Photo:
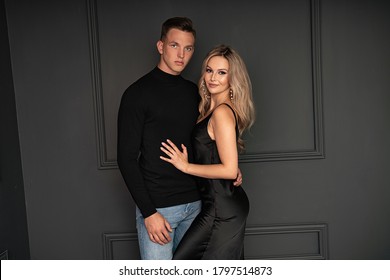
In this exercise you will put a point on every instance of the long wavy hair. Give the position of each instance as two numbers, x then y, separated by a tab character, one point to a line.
241	87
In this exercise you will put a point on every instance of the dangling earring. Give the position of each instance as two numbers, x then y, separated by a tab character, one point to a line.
204	91
231	94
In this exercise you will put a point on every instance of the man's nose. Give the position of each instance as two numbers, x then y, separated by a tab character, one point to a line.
180	53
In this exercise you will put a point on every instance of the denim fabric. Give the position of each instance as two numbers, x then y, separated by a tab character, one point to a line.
179	217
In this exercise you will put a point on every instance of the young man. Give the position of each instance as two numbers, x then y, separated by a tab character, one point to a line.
158	106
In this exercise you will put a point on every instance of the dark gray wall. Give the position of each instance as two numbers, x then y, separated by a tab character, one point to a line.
13	221
317	161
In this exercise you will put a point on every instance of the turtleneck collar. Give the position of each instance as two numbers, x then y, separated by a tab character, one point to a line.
166	77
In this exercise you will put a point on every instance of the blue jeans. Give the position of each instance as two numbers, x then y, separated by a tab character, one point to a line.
179	217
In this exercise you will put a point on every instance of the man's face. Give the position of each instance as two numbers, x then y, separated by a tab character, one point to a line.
176	51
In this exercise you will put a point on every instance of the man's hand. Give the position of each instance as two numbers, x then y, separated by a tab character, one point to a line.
158	229
238	180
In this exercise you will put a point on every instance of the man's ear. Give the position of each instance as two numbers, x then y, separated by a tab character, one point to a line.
160	45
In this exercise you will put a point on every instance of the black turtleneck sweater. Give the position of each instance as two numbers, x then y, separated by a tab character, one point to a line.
157	107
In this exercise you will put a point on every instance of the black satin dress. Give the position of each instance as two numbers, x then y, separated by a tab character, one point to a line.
218	231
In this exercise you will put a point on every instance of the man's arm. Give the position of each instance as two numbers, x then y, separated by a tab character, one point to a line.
130	130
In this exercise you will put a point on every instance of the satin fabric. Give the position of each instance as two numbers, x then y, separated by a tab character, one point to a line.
218	231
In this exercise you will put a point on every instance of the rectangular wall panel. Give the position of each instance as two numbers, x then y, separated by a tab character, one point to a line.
263	242
287	242
284	66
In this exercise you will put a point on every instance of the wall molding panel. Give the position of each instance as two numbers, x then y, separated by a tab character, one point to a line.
318	152
97	88
104	162
118	246
308	241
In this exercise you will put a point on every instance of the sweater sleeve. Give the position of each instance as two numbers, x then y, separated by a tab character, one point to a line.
131	116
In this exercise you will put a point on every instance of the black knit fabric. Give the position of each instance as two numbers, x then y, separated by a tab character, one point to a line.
157	107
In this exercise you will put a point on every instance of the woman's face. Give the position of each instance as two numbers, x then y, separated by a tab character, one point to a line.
216	76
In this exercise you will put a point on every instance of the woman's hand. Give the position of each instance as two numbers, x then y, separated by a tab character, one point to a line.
176	157
238	180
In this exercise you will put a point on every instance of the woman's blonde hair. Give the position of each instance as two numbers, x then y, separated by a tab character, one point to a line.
240	85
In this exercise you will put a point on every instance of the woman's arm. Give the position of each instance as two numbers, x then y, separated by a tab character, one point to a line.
222	129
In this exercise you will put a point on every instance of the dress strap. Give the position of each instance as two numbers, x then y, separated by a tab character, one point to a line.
234	113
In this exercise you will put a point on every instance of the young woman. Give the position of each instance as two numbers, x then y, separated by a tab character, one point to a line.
226	110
